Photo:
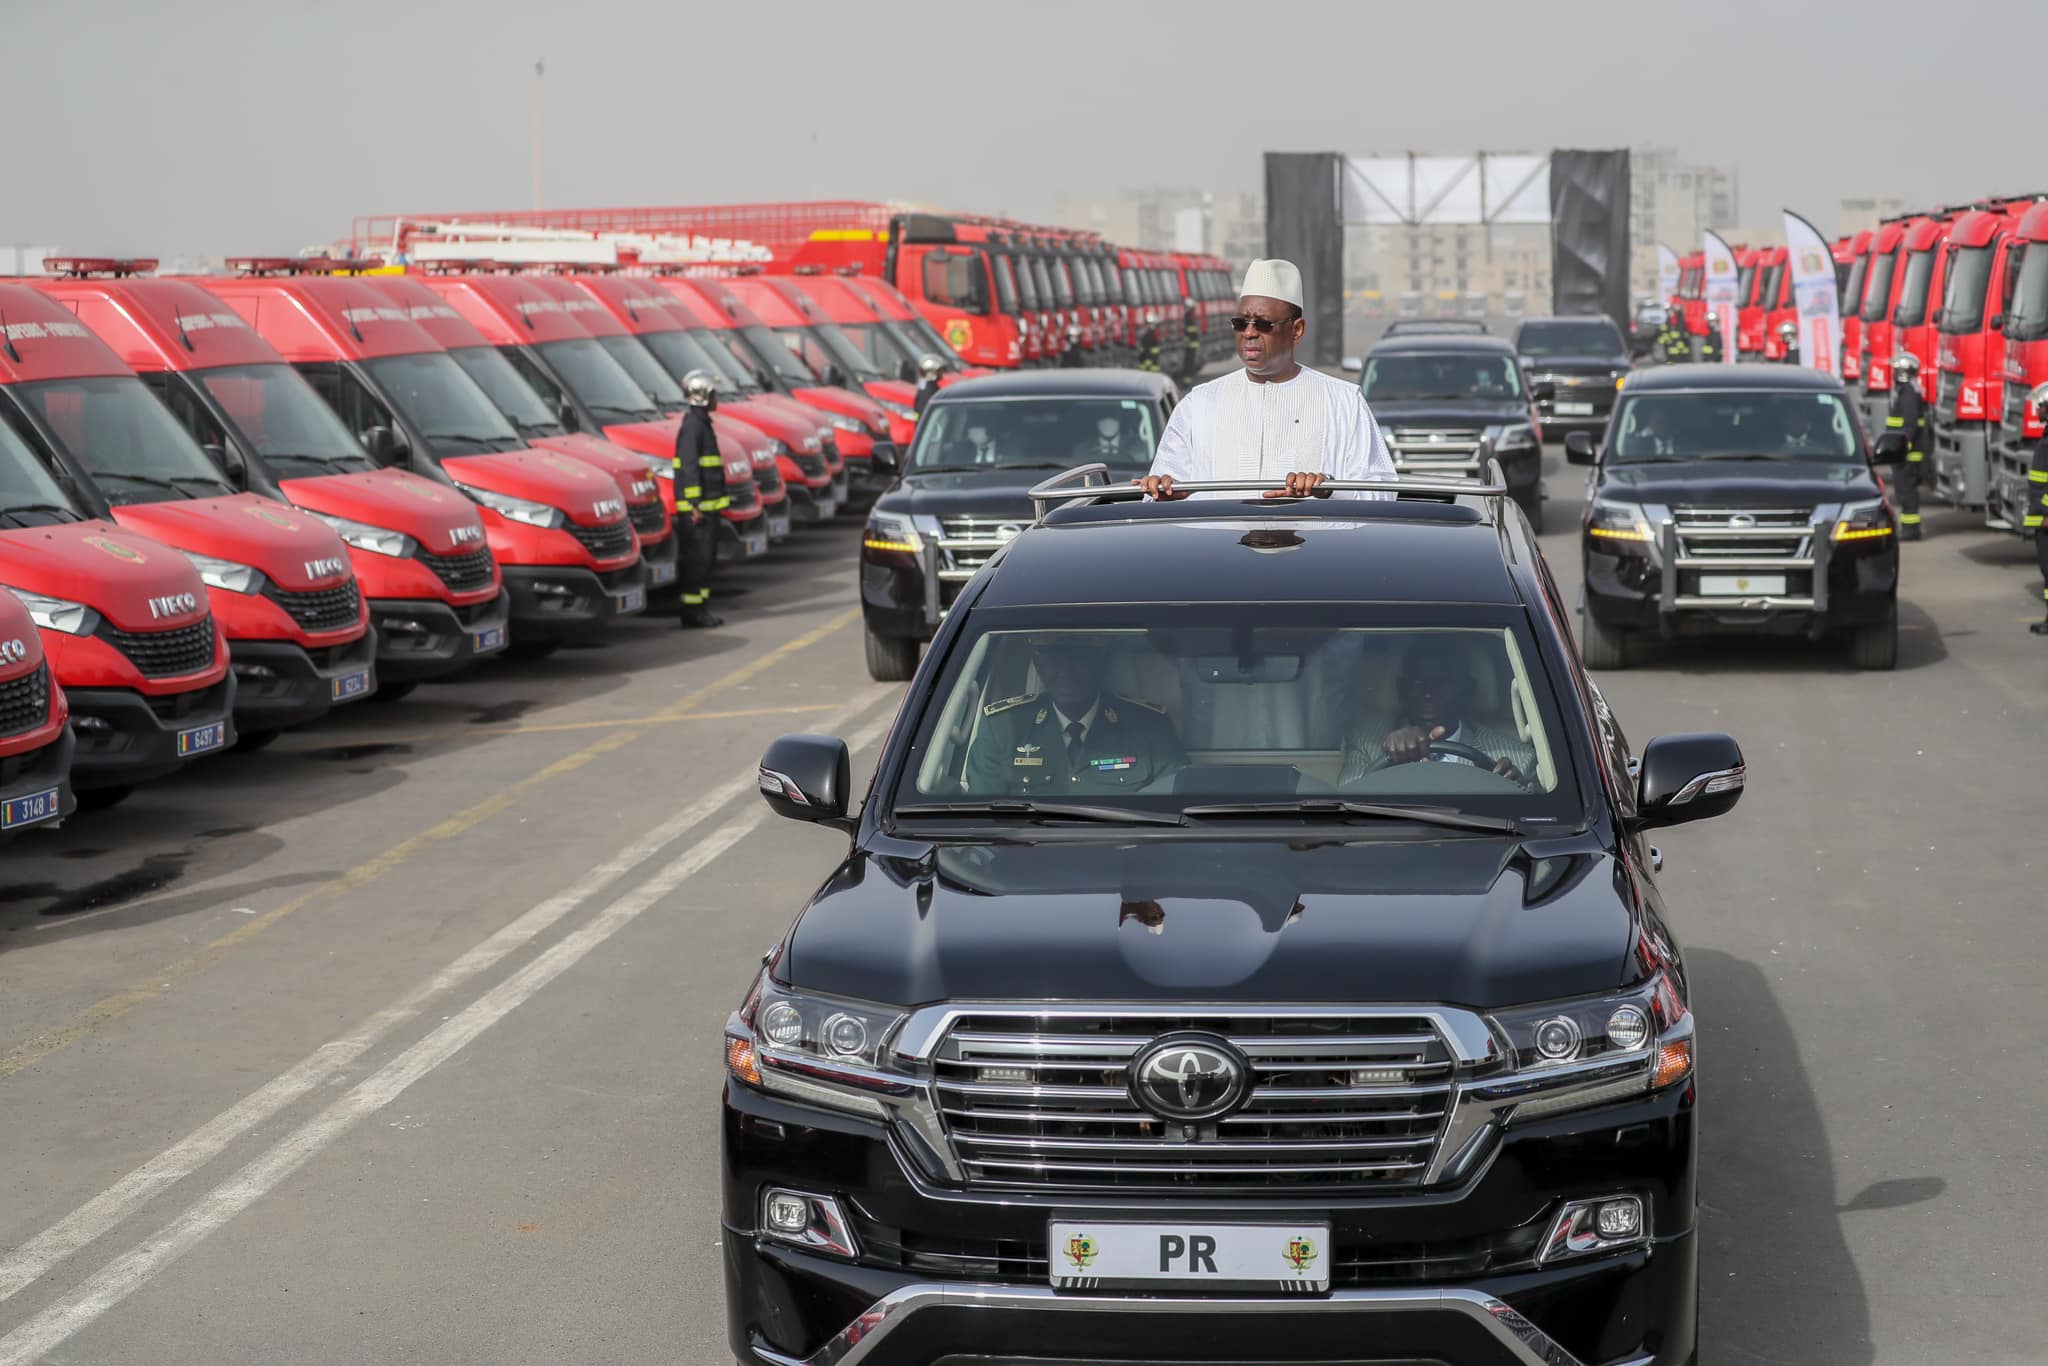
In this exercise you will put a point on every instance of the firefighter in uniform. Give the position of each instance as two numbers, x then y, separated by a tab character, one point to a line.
1074	737
1673	347
700	494
1073	358
2037	508
1788	340
1905	442
1710	345
1191	336
929	368
1149	349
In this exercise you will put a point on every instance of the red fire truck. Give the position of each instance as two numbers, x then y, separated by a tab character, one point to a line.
2012	499
1874	336
1749	301
1852	258
1970	386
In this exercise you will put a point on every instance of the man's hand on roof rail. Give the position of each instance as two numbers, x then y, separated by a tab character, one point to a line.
1300	484
1159	486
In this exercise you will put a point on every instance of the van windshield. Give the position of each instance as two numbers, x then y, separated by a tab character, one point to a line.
276	414
1913	291
515	398
1774	279
596	380
680	353
1962	304
29	494
821	344
646	371
124	437
726	351
1744	278
440	402
770	351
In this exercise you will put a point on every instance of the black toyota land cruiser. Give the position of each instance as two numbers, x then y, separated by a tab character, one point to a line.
1248	951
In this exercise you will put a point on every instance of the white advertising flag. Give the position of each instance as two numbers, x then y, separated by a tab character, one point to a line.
1721	292
1813	295
1667	275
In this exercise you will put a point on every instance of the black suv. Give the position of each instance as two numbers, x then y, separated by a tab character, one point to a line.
964	488
1448	403
1248	952
1575	365
1736	498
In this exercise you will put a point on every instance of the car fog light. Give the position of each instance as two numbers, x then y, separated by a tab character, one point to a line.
401	626
787	1213
1585	1227
254	671
1378	1076
1557	1039
552	590
90	723
1003	1076
813	1222
783	1024
1620	1218
1628	1029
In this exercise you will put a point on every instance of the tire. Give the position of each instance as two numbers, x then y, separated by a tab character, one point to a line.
100	798
1877	646
891	659
1531	504
1601	646
249	741
392	692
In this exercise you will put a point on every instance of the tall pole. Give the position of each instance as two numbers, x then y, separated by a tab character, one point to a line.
538	70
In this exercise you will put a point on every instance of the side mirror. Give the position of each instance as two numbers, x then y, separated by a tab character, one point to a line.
229	461
1544	392
836	378
1354	365
386	447
565	414
1997	323
885	461
1935	317
907	372
806	777
1688	778
1578	448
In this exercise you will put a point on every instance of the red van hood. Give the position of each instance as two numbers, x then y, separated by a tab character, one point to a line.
836	400
21	644
440	519
630	471
657	439
794	425
296	552
587	494
113	571
891	390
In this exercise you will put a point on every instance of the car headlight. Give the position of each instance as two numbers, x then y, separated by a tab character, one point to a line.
847	424
821	1050
378	540
517	509
900	409
1867	521
226	574
892	531
59	614
813	444
1620	525
779	449
1515	436
1646	1024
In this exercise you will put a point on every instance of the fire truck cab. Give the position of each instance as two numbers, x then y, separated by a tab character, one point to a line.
2014	501
1969	385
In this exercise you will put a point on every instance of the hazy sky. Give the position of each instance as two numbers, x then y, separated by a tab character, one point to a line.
223	127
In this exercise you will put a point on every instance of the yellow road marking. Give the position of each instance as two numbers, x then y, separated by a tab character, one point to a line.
113	1007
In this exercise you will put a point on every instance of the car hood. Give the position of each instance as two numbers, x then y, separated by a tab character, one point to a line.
890	390
108	568
961	493
1448	413
846	402
588	495
1738	483
1571	364
630	472
296	551
1478	922
792	428
657	439
440	519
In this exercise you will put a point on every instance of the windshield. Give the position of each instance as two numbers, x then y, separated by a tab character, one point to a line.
1027	288
125	438
822	344
29	493
1593	337
884	352
1234	703
769	351
926	339
276	414
2028	320
440	402
596	380
1744	278
515	398
646	372
1962	299
1774	279
1415	375
1006	281
1912	309
1852	291
729	354
680	353
1734	424
1048	433
1877	295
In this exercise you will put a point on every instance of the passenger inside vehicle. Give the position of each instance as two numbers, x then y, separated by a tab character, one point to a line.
1035	433
1733	424
1072	736
1437	720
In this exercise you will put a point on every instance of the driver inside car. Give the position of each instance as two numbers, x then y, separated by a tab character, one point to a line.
1073	736
1434	724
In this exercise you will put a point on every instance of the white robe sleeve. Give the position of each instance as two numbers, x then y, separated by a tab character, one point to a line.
1360	449
1176	453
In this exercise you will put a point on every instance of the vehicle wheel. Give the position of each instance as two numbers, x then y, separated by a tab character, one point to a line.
249	741
1531	504
1877	646
532	649
1601	646
391	692
891	659
100	798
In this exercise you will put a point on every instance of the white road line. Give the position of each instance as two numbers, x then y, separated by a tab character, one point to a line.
35	1258
136	1267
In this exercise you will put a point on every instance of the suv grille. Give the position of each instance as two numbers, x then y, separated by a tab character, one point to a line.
461	572
609	542
1044	1103
1706	533
1947	391
165	654
1435	449
325	609
967	542
25	701
646	518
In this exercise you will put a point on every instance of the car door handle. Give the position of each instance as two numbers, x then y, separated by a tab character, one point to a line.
1656	859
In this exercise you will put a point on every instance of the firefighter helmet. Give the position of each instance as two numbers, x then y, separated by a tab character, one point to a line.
930	366
1788	332
1905	365
698	386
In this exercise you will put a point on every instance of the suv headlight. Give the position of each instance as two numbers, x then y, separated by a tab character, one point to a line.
892	532
1584	1040
1619	526
226	574
1515	436
59	614
1863	521
518	509
378	540
821	1050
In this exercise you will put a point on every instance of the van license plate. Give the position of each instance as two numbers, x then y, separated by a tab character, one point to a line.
1283	1257
630	601
753	543
778	525
201	739
661	573
1742	585
827	509
29	808
487	640
348	687
1573	409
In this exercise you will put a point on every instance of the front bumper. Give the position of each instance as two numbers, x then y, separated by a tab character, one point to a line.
862	476
561	602
1961	461
35	787
425	638
742	540
279	683
812	507
1836	587
125	737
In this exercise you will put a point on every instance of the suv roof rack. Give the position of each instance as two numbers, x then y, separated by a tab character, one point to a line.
1424	326
1092	484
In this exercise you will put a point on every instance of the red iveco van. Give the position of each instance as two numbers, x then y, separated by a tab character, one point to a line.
35	730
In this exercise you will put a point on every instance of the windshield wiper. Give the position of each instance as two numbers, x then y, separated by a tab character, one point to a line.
1023	465
16	509
174	483
1339	806
1079	811
1753	455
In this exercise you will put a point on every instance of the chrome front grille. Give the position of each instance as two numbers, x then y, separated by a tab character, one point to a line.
965	543
1947	390
1443	449
1708	533
1348	1101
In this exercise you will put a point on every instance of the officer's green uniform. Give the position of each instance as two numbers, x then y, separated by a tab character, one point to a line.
1022	750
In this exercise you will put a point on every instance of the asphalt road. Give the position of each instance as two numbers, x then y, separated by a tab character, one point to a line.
398	1041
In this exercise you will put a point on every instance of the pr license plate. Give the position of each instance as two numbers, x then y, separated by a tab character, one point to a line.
778	525
1289	1257
29	808
348	687
1742	585
201	739
632	600
661	573
488	640
1573	409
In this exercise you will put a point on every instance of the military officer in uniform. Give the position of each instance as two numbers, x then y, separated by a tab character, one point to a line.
1073	738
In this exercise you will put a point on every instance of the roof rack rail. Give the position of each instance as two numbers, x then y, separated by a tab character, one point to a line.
1092	484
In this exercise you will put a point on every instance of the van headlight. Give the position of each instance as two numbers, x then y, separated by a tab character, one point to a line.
822	1050
378	540
517	509
59	614
226	575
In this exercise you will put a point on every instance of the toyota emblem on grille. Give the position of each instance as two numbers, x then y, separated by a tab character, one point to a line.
1190	1077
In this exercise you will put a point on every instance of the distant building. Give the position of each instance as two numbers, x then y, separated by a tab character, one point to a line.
1674	201
1854	215
1230	224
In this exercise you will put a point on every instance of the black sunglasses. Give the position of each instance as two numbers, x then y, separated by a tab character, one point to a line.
1264	326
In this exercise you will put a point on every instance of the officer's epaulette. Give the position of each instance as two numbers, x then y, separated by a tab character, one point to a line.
1141	702
1008	702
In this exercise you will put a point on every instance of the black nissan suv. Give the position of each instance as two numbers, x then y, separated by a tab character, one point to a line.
1575	364
1247	951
